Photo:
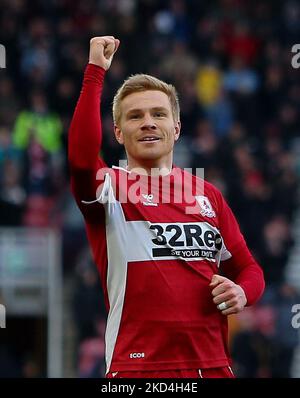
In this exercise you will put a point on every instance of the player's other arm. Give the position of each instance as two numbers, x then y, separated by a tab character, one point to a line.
85	135
243	281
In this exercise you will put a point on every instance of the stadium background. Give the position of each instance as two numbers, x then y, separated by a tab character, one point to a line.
240	98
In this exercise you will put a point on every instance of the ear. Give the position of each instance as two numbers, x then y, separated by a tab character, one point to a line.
119	135
177	130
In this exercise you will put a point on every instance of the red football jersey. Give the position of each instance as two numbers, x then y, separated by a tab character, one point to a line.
156	255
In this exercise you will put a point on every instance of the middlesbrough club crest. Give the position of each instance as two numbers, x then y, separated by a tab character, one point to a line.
206	207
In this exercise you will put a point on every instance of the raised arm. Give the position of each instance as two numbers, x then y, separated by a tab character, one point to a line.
85	135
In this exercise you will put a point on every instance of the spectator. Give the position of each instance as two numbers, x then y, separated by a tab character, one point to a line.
40	123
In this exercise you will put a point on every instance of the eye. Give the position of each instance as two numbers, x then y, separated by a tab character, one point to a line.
134	116
159	114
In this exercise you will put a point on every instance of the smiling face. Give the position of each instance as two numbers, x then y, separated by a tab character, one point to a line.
147	129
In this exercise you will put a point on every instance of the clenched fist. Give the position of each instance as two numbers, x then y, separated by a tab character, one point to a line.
229	297
102	50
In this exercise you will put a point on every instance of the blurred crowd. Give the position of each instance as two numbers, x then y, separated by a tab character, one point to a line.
230	61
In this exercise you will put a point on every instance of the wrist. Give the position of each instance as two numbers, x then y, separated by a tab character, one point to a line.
97	66
94	74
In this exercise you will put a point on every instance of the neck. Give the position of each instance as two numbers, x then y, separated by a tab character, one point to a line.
150	167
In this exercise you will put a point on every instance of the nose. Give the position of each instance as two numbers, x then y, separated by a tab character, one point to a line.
148	123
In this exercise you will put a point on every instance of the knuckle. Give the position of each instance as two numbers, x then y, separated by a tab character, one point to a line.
98	40
94	39
227	284
102	39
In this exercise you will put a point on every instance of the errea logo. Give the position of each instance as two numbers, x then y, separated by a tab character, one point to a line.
148	200
136	355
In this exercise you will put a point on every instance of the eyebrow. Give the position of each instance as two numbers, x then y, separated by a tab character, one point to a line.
156	108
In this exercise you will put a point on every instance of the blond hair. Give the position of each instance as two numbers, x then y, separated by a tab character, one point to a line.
141	82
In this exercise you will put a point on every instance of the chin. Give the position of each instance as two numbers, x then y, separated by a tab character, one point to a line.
147	152
149	155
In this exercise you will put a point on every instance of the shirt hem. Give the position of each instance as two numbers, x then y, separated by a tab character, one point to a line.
118	367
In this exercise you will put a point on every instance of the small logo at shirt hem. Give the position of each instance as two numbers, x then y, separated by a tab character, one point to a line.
136	355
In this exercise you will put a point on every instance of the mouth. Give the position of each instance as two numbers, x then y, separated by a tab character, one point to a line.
149	138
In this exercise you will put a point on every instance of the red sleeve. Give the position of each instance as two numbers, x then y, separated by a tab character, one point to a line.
85	137
241	267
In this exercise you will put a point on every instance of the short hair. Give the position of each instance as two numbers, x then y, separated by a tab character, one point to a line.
139	83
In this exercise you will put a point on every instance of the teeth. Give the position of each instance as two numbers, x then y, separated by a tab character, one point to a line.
150	139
